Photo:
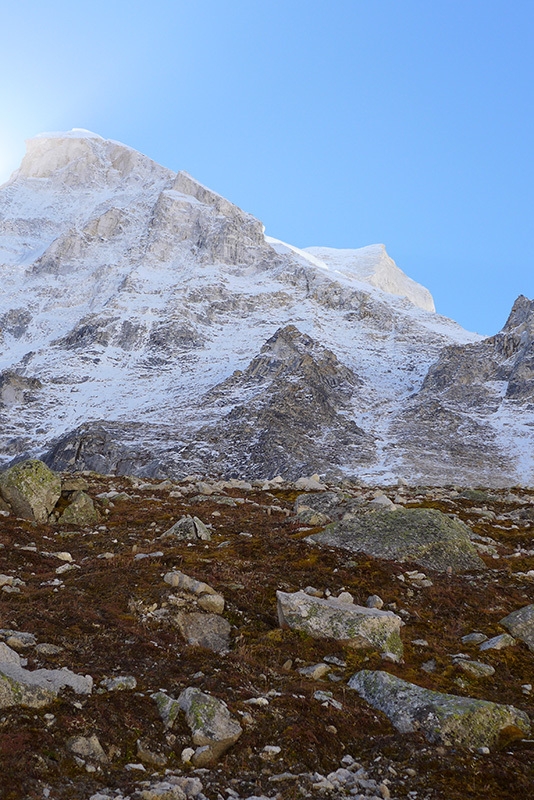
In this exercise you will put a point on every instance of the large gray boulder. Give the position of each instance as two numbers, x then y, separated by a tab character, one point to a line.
36	688
360	627
212	726
520	623
425	536
443	718
31	489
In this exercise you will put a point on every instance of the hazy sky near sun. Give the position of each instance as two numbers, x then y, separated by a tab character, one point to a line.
340	123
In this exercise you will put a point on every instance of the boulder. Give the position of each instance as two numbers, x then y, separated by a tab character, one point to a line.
188	529
425	536
37	688
80	511
442	718
212	726
31	489
358	626
204	630
520	623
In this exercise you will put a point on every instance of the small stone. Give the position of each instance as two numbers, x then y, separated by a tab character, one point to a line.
429	666
374	601
476	669
257	701
64	568
187	754
498	642
213	603
119	683
149	756
315	672
287	665
87	747
63	556
202	629
270	752
345	597
474	638
212	726
47	649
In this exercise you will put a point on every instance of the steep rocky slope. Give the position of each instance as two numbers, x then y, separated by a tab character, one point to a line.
111	627
140	311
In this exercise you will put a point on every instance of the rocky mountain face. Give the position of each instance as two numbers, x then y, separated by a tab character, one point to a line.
148	326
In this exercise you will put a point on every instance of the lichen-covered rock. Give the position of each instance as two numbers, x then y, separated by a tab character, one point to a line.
31	489
212	726
443	718
168	708
358	626
520	623
188	529
36	688
80	511
425	536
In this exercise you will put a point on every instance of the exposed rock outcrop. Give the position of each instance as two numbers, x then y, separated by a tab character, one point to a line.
34	688
358	626
443	718
423	535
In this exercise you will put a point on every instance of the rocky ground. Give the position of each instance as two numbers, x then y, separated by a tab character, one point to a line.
152	589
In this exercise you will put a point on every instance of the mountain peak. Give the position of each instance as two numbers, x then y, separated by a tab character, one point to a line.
79	157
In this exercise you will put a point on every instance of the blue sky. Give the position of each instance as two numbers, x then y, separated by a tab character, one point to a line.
341	123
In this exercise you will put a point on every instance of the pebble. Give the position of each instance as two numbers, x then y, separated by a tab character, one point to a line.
374	601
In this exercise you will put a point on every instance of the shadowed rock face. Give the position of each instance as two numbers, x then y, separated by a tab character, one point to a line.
452	424
291	413
464	374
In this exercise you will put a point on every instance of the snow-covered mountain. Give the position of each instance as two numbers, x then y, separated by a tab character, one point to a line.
148	325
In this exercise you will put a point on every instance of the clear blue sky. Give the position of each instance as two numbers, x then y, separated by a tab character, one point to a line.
341	123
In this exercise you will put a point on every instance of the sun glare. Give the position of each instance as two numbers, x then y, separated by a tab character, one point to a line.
9	160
